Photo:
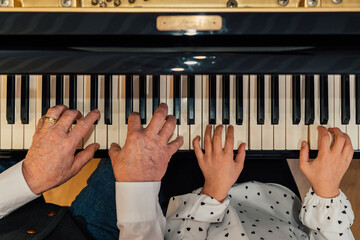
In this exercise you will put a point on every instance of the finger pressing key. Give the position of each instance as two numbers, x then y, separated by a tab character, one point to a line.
54	113
168	129
339	139
324	139
158	119
67	119
207	139
217	145
229	143
84	124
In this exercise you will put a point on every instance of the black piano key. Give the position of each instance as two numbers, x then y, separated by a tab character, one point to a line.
239	99
296	99
212	99
142	98
274	99
191	100
45	99
309	100
10	99
345	99
24	110
108	100
73	92
59	89
357	83
324	99
225	99
156	92
128	96
260	100
177	98
94	90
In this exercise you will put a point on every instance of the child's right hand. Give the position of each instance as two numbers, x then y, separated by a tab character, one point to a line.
327	170
217	164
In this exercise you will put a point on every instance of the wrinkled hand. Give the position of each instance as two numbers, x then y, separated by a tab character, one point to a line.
327	170
217	164
51	158
146	153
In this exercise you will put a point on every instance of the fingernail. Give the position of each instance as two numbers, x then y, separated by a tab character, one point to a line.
303	144
97	146
96	110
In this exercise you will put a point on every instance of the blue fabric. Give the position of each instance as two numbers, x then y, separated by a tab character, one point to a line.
96	203
5	164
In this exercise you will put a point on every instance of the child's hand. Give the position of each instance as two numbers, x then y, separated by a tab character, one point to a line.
217	164
327	170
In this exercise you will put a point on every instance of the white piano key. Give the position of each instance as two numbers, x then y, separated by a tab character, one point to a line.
101	127
66	90
279	129
313	132
114	128
196	129
6	129
205	105
149	99
18	127
267	130
254	128
136	95
295	134
163	88
29	129
219	101
90	136
52	90
241	132
184	127
337	103
80	101
352	128
122	120
170	102
331	92
38	108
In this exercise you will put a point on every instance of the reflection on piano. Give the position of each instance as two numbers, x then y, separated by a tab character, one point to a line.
274	74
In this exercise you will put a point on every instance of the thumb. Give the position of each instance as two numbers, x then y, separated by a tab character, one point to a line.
114	148
304	155
240	157
84	156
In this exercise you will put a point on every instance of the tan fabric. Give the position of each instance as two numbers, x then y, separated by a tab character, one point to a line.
66	193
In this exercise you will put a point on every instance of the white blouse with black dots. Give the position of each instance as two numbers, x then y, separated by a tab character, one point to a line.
260	211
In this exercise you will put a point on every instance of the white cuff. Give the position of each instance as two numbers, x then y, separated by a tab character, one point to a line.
137	201
14	191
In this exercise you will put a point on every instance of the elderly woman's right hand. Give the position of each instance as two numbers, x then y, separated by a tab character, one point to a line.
217	164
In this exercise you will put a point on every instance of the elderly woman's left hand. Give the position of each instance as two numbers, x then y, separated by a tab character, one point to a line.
51	159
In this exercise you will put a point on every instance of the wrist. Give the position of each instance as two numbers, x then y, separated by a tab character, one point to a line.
218	193
326	192
30	180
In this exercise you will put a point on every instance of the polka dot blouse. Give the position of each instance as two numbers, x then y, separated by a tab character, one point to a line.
255	210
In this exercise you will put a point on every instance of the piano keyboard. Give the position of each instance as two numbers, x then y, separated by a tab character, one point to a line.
268	112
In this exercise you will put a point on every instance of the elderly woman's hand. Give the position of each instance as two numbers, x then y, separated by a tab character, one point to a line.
217	164
51	159
327	170
147	151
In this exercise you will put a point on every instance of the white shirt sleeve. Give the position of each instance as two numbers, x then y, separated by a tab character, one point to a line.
139	215
329	218
14	191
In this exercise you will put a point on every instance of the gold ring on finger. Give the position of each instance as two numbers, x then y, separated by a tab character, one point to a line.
50	119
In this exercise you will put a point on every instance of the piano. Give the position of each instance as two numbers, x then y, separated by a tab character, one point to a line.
275	70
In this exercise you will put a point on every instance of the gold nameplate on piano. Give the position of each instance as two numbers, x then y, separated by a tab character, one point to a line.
183	23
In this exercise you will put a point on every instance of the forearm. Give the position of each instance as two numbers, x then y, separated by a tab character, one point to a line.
329	218
139	215
14	190
189	216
